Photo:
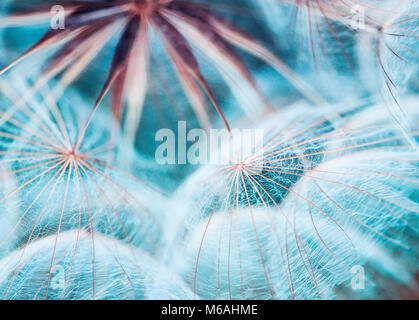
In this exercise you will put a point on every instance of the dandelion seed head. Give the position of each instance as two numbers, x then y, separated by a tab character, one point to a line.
360	47
333	190
85	270
179	25
67	177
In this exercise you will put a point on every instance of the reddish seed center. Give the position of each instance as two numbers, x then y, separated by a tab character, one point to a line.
72	155
240	166
146	7
143	6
